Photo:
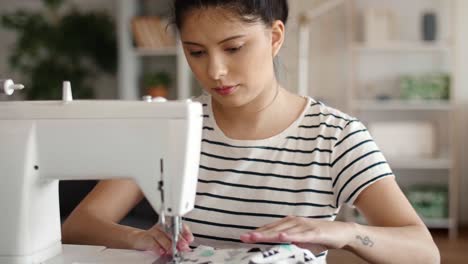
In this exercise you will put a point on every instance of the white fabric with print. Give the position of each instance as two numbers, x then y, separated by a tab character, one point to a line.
281	254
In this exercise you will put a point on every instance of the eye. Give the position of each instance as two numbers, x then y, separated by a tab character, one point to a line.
234	50
198	53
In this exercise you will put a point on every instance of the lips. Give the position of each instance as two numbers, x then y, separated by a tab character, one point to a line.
225	90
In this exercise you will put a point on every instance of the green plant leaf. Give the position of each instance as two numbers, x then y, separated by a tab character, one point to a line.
53	4
50	48
157	78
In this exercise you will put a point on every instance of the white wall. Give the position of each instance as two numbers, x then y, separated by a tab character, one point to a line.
105	86
461	97
327	53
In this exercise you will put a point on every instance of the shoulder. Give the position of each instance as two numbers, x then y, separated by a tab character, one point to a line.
327	112
331	117
205	100
202	98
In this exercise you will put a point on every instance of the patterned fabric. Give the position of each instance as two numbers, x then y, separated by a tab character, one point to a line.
282	254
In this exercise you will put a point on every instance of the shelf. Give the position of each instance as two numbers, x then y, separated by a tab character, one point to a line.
421	163
166	51
378	65
402	47
402	105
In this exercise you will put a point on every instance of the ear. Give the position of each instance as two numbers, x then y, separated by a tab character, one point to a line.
277	36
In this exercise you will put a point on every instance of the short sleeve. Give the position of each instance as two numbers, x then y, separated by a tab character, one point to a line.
356	163
199	98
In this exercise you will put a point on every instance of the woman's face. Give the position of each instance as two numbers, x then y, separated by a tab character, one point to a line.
232	59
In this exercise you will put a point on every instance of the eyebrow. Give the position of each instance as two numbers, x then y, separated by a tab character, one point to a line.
222	41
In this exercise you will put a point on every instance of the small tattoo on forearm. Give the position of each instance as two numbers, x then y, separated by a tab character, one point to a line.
365	241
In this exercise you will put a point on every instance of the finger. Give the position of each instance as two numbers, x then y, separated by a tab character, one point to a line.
278	228
159	249
162	238
272	235
187	233
255	237
268	230
277	236
147	242
275	224
182	244
294	230
183	247
165	240
185	239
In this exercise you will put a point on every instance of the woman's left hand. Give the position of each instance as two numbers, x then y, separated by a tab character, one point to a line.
312	234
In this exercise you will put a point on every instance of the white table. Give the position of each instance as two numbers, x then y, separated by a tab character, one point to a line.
79	254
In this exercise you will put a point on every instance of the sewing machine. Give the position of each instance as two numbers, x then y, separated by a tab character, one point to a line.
157	144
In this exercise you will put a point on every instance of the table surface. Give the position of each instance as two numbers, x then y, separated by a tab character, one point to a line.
81	254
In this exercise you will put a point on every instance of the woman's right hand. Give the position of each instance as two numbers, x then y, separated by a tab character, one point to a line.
157	240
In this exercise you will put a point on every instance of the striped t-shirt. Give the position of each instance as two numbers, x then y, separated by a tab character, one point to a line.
321	161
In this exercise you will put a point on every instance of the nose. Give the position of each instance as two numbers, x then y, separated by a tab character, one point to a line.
217	68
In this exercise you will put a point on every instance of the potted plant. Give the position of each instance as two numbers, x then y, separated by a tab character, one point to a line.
57	44
157	84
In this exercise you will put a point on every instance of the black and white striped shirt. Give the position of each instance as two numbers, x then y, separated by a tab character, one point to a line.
321	161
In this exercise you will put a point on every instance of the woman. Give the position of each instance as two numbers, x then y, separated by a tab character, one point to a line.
275	167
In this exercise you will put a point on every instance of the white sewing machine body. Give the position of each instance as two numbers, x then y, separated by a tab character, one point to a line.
42	142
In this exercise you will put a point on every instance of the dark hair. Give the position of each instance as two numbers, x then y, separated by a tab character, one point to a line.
266	11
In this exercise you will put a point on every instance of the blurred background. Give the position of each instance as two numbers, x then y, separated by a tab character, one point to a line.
399	66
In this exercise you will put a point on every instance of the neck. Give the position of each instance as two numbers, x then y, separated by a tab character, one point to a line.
254	111
263	119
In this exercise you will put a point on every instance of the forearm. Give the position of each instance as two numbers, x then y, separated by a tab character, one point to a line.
410	244
90	230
